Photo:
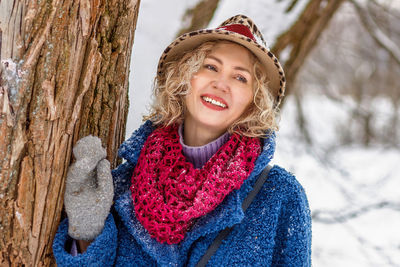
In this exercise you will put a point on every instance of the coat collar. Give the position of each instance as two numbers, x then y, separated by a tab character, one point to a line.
227	214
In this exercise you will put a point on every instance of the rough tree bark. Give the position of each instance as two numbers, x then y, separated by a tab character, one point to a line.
63	75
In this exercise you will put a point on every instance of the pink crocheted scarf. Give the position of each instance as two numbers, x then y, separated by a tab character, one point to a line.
169	193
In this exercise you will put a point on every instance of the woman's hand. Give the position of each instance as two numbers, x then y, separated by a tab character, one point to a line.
89	190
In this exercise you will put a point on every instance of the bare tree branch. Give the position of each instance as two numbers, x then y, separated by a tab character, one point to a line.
199	16
385	8
330	217
376	33
301	119
303	35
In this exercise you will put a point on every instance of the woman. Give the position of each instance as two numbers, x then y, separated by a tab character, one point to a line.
189	168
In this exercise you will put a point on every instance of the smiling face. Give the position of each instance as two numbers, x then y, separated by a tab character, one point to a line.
221	90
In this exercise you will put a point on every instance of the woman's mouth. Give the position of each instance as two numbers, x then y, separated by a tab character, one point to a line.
214	102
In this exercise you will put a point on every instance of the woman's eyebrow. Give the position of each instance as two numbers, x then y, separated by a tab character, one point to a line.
236	67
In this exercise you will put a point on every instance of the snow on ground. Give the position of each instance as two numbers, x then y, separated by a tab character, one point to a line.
338	181
343	182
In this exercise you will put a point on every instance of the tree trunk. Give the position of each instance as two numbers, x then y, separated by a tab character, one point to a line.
199	16
303	35
64	75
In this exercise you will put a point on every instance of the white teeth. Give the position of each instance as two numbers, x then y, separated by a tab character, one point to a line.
214	102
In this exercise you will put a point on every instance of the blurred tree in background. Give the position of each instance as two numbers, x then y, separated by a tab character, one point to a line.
357	63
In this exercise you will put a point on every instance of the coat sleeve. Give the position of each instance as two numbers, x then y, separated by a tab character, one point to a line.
293	237
101	251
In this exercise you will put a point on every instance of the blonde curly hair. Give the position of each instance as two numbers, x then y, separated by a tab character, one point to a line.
168	106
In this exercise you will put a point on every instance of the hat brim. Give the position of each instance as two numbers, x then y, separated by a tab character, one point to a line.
190	41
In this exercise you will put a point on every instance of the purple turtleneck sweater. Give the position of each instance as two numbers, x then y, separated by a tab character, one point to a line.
199	155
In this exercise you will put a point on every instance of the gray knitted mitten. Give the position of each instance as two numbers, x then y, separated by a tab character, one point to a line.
89	190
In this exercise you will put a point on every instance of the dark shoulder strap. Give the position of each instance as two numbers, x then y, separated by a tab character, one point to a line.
224	233
256	188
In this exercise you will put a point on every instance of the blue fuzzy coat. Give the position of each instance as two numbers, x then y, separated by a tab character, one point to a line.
274	231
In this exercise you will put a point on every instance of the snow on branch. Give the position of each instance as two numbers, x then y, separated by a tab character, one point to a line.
330	217
386	9
376	33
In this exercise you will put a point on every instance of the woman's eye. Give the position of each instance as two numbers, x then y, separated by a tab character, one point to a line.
210	67
242	79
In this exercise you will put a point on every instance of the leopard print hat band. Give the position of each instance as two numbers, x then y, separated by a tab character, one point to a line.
239	29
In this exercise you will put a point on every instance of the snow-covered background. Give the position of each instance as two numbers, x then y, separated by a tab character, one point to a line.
353	191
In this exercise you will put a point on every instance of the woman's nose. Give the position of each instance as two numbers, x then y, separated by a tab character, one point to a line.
221	83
